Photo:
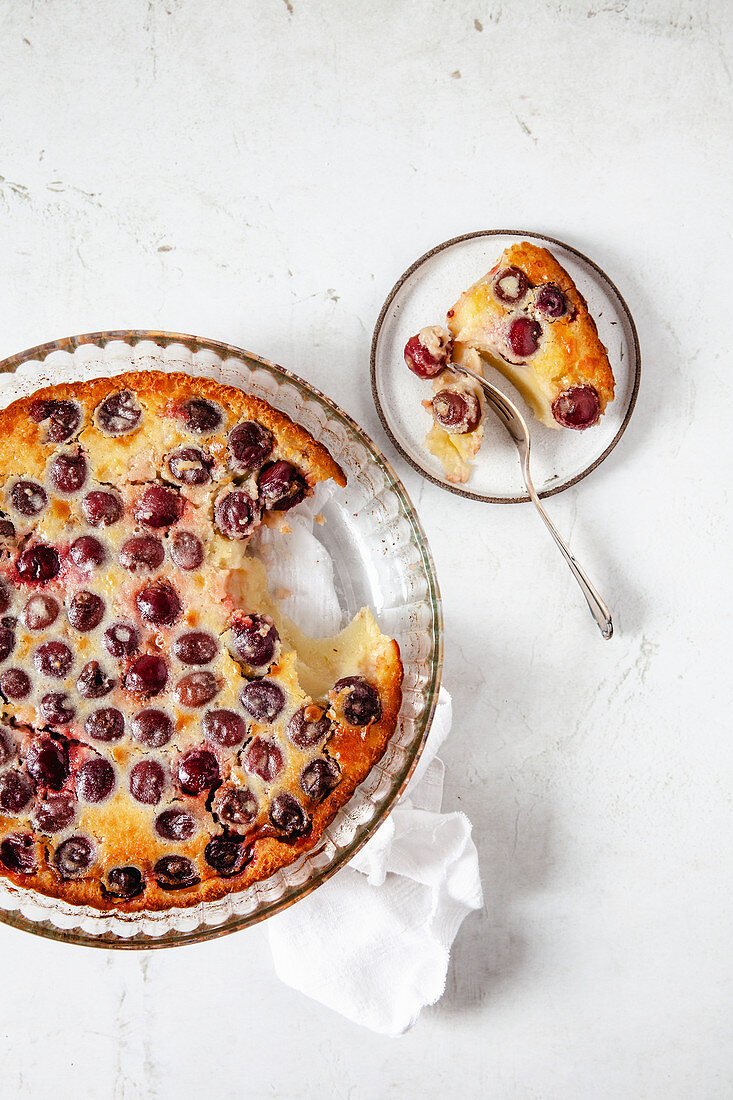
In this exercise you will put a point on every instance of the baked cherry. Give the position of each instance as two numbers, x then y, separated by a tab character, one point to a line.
523	336
288	816
74	856
47	763
18	853
190	466
57	709
87	552
250	446
141	553
5	597
119	413
157	507
262	757
7	528
147	675
101	508
106	724
15	684
68	473
309	726
95	780
551	301
152	727
228	855
197	689
158	603
457	413
175	825
319	777
201	416
236	514
255	640
147	780
38	563
510	285
429	352
7	745
124	882
93	682
198	770
53	659
54	813
121	639
16	791
86	611
7	642
40	612
63	417
224	727
187	550
235	806
356	701
579	407
198	647
28	498
263	699
175	873
281	486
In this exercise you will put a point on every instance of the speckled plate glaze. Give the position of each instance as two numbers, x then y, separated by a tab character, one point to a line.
381	559
422	296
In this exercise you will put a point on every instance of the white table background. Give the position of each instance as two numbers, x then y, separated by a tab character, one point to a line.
260	172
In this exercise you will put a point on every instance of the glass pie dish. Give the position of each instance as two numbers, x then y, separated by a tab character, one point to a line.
380	559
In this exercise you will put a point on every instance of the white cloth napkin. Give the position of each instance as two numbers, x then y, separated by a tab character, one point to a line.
374	941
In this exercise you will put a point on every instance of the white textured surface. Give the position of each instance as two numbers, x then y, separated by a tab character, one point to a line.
260	172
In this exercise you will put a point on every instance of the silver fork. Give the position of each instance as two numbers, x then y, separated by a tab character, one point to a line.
516	425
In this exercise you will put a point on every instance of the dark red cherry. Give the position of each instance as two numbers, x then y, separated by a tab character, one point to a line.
262	757
551	301
101	509
175	825
158	603
124	882
456	413
105	724
288	816
255	639
197	689
63	417
53	659
356	701
510	285
87	552
201	416
28	498
119	413
319	777
198	647
235	806
198	770
5	598
7	745
7	642
121	639
281	486
47	763
147	780
190	466
16	791
524	336
152	727
158	507
250	446
40	611
57	709
263	699
579	407
15	684
68	473
55	813
175	873
187	550
86	611
236	514
309	726
429	352
224	727
18	853
141	553
228	855
38	563
147	675
93	682
95	780
74	856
